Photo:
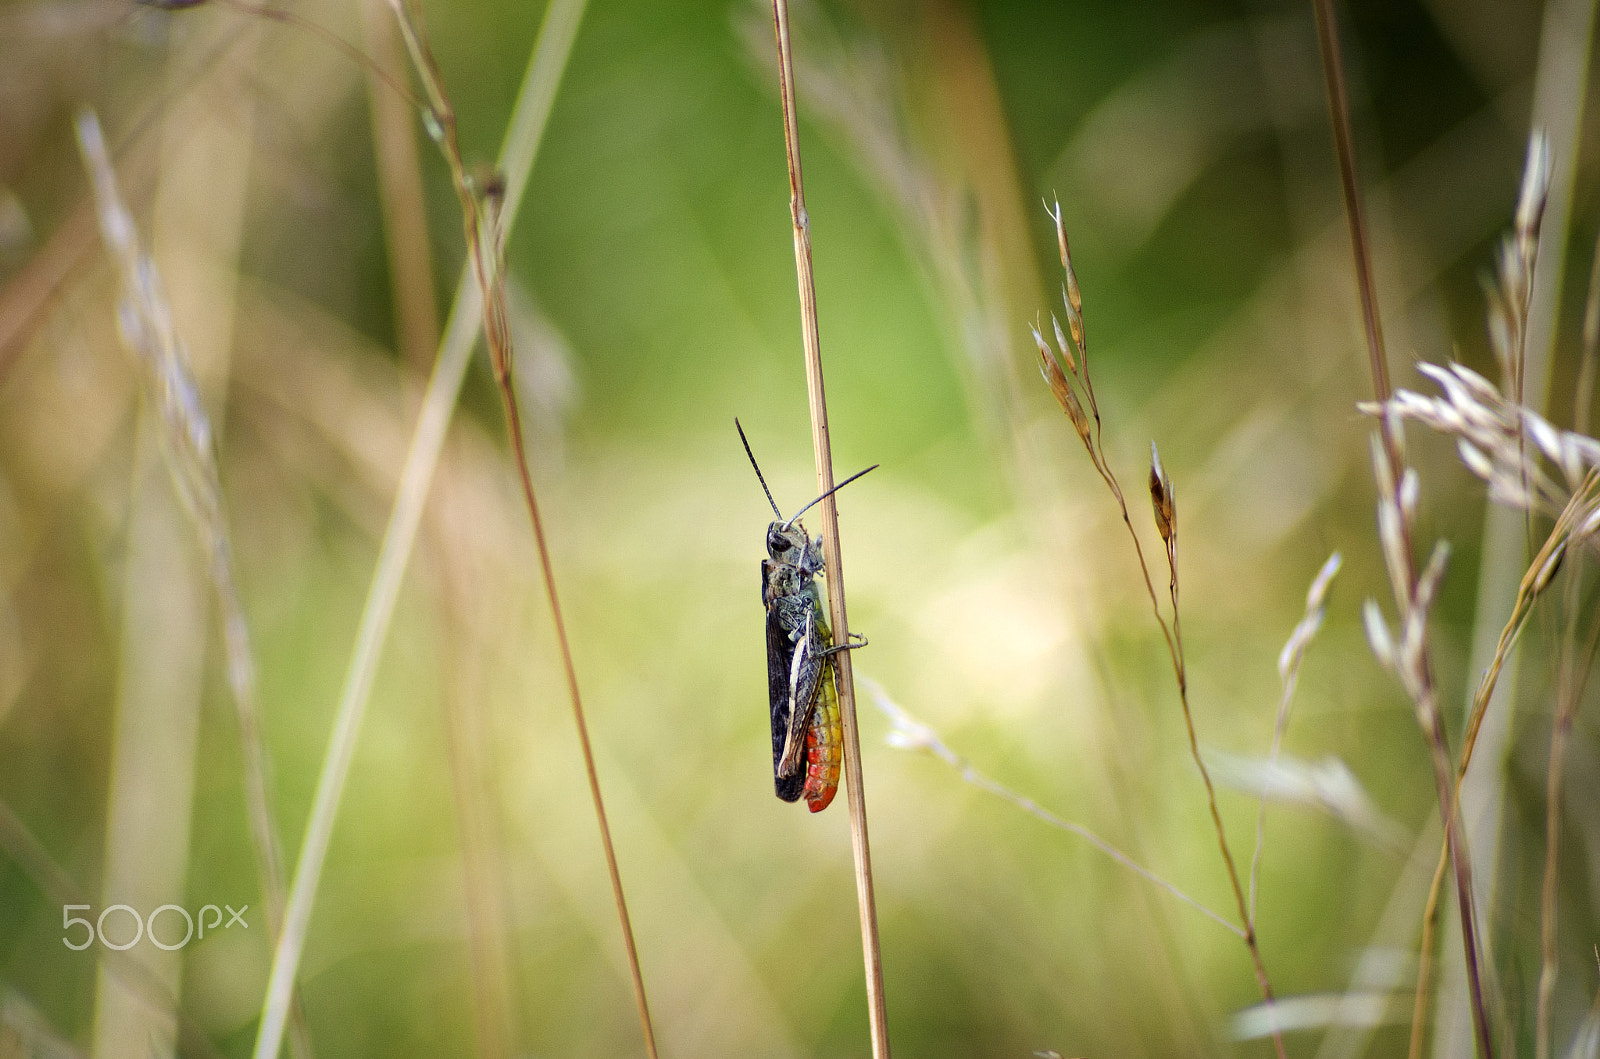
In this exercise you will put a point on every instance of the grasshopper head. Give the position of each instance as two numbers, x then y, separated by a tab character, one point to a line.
788	545
786	542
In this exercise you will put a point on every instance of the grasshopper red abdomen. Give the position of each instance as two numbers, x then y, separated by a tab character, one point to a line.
824	740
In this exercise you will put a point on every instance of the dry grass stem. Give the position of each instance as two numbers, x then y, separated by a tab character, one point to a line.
1559	474
480	210
872	955
1396	511
529	117
908	733
1344	148
1559	91
400	193
1066	386
474	779
852	88
1405	653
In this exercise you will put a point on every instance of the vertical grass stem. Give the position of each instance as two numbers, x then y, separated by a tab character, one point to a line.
877	1010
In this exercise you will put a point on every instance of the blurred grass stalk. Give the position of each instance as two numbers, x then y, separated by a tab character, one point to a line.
1509	299
908	733
1509	302
474	781
149	800
1560	82
872	954
18	843
1501	441
1408	653
198	231
199	224
480	203
1572	677
523	135
400	192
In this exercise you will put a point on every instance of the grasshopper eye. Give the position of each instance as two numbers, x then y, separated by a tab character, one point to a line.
776	542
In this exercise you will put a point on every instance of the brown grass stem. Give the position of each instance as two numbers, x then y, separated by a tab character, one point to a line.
1413	597
529	117
1181	670
1456	847
1493	436
1430	914
480	209
514	427
1075	354
400	194
1405	576
1344	148
877	1008
1430	927
474	780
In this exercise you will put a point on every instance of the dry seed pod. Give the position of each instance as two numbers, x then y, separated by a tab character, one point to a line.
1061	342
1162	501
1074	296
1378	634
1550	567
1535	190
1075	322
1050	368
1061	243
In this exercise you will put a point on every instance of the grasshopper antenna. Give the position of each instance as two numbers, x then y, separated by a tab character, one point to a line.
757	466
824	496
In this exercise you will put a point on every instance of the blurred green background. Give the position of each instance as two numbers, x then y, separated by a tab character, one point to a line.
653	299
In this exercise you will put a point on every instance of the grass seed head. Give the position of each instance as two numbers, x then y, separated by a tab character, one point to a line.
1050	368
1550	567
1535	192
1378	634
1061	343
1075	324
1162	500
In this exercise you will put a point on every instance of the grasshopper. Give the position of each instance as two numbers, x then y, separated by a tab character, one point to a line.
802	691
